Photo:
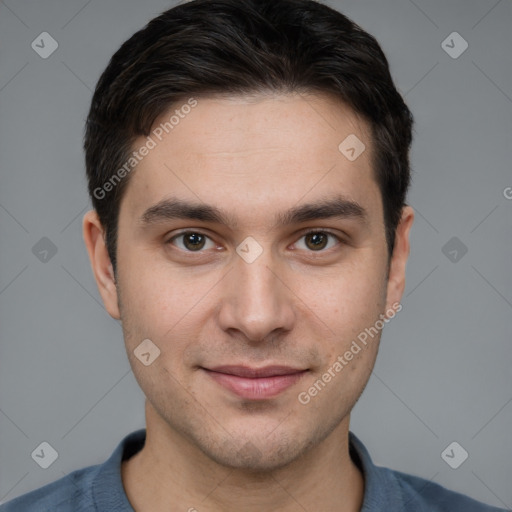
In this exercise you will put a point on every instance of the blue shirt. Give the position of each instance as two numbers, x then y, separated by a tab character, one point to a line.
100	488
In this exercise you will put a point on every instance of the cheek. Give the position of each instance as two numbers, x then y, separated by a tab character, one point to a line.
166	305
350	294
153	293
348	305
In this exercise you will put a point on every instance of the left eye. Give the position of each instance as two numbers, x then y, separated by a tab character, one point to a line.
318	240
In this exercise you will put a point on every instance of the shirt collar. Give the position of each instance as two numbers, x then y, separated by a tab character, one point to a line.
107	488
382	491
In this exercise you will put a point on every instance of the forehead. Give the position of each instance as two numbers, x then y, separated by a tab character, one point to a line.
255	155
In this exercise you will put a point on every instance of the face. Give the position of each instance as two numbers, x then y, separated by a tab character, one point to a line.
252	253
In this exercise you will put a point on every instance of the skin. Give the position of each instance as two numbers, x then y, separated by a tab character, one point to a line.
207	448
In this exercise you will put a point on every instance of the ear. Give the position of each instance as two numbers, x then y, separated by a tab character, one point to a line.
396	279
94	238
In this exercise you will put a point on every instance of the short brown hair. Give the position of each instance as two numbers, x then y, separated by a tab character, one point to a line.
208	47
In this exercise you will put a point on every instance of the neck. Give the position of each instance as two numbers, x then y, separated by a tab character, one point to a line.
171	474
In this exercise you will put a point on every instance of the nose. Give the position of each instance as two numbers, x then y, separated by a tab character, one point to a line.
256	299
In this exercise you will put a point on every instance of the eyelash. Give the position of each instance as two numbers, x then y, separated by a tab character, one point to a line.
312	231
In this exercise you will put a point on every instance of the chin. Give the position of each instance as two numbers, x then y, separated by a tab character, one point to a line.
256	458
255	450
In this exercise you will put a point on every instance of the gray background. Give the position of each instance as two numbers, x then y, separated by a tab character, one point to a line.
444	371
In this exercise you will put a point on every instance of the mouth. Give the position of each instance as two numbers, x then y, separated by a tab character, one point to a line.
255	383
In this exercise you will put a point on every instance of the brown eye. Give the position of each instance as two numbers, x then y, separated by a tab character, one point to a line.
192	241
318	240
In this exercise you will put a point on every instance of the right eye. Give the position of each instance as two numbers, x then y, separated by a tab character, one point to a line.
193	241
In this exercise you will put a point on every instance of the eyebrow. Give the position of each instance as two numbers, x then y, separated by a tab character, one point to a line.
174	208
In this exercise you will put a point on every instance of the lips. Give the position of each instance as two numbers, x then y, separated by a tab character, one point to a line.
246	371
255	383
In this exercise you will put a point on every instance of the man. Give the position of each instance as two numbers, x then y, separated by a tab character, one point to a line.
248	164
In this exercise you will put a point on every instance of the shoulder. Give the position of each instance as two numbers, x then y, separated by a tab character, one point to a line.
389	489
421	494
70	493
98	487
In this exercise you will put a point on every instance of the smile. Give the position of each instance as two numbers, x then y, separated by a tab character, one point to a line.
255	384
